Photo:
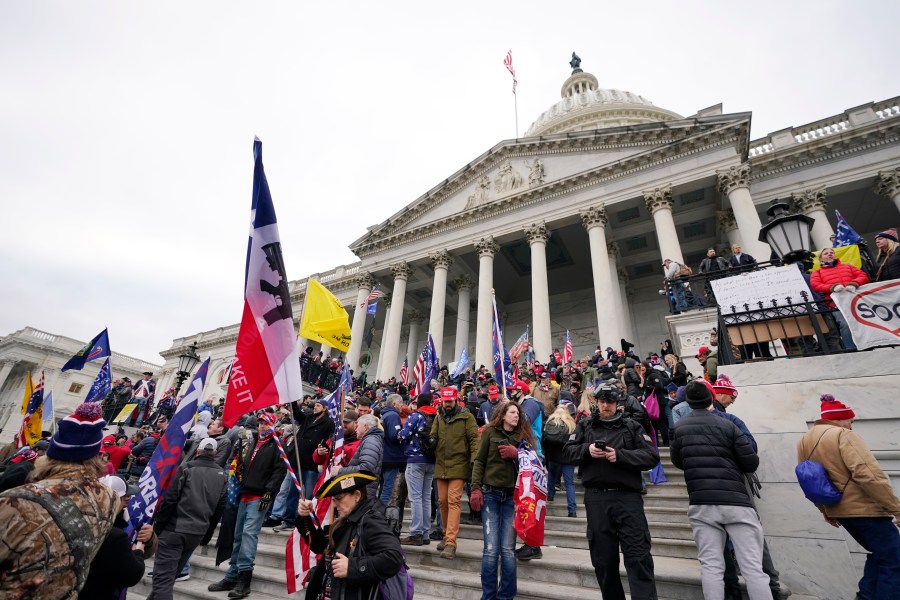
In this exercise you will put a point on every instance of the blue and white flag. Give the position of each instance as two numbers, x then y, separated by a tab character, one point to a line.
426	368
94	349
102	384
462	363
844	235
502	371
48	410
158	473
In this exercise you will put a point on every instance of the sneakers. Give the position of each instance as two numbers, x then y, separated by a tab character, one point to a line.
285	526
436	535
426	540
270	522
184	577
529	553
449	552
549	498
411	540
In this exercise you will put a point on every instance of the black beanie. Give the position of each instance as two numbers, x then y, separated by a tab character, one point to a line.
697	395
423	400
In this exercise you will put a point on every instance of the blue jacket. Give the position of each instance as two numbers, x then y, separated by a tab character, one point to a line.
486	411
393	447
534	410
412	434
740	425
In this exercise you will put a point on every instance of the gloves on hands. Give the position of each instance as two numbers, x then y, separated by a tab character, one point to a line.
476	499
508	451
837	288
265	501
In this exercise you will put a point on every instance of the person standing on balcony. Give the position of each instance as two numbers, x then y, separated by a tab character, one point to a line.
888	259
740	261
713	267
835	276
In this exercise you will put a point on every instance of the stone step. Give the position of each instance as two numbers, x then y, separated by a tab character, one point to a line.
673	489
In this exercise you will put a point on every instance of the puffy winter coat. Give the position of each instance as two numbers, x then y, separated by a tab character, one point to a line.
393	447
851	467
457	444
313	431
368	457
888	268
822	279
714	455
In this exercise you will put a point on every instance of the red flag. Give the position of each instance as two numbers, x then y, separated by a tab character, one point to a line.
507	62
567	351
530	497
266	367
404	371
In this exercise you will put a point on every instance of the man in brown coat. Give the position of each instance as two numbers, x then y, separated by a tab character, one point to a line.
868	503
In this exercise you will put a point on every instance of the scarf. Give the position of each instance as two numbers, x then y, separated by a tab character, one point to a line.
262	440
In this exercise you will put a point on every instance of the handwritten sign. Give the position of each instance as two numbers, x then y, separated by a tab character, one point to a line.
759	286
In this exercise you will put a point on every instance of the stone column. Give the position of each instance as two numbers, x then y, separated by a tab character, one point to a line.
888	185
463	285
594	220
412	345
537	235
6	368
618	310
734	183
812	203
391	347
486	248
441	262
388	300
325	349
358	326
659	204
729	227
625	299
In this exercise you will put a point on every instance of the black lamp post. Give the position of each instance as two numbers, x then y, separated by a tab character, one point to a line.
786	233
187	360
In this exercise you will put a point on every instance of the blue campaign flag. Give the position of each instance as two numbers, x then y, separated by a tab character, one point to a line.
372	308
157	475
94	349
844	235
102	384
501	356
462	363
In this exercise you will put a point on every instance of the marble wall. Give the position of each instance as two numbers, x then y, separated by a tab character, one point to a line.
778	401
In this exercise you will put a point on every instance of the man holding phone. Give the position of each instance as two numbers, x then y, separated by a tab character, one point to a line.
612	450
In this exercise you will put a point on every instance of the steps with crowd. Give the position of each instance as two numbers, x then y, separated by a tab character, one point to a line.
564	572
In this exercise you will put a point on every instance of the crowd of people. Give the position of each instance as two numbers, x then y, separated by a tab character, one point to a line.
599	419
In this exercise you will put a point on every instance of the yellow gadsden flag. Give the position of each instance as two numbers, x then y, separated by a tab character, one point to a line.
324	318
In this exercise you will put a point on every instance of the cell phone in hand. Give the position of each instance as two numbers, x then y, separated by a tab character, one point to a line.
600	446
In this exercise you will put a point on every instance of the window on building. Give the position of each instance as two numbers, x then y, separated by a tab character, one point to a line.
75	388
636	243
645	269
628	214
692	230
692	197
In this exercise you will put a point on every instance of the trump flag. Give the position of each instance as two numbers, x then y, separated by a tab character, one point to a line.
266	367
530	497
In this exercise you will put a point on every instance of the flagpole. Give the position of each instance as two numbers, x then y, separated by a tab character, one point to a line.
516	107
499	342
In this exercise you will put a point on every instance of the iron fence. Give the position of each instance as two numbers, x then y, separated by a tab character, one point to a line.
695	292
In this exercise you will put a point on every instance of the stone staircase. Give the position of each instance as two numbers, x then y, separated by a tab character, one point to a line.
564	572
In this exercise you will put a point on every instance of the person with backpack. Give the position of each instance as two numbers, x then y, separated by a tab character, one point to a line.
494	475
416	435
359	550
560	428
867	506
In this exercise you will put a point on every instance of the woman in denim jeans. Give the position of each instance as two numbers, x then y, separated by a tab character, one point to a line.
494	476
561	417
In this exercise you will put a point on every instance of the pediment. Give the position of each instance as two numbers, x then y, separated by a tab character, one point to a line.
523	168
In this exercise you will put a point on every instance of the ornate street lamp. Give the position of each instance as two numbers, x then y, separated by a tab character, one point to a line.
786	233
187	360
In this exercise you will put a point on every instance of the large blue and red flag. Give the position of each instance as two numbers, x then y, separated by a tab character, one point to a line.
426	368
299	558
266	367
102	384
502	371
94	349
158	473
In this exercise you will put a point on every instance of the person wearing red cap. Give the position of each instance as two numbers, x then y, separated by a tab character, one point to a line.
868	501
456	443
486	410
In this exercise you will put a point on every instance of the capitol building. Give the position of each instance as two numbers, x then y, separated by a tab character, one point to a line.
569	225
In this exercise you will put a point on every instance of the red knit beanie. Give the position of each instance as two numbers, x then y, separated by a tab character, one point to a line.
835	410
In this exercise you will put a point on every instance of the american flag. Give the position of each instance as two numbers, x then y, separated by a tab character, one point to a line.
404	371
426	368
567	351
375	294
519	347
507	62
299	559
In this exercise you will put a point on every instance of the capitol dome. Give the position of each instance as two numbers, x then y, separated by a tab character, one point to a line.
584	106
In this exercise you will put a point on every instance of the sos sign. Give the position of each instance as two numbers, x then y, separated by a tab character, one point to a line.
877	306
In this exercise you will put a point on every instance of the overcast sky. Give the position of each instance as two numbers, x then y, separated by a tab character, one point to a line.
126	129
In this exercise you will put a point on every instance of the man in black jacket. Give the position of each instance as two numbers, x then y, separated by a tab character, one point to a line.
262	469
612	450
714	455
739	260
183	516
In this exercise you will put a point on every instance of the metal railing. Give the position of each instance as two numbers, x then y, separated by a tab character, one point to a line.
793	328
695	292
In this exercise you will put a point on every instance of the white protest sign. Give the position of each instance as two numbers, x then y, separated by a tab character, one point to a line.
760	286
872	312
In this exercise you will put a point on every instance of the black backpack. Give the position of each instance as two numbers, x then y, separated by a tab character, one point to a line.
555	433
426	442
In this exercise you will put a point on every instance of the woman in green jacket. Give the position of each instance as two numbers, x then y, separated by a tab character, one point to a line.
493	481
